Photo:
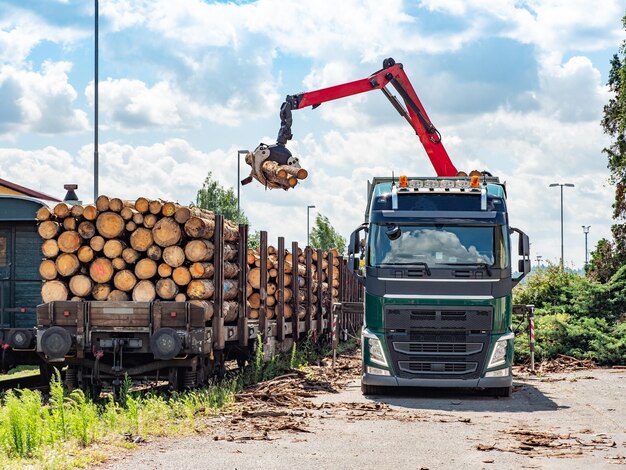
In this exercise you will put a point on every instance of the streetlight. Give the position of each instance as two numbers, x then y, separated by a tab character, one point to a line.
586	232
569	185
308	209
239	154
539	260
96	162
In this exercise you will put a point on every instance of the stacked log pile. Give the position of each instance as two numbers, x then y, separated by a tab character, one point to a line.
143	250
294	266
147	250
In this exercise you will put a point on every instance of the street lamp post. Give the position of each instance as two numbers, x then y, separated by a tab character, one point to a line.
569	185
96	158
239	154
586	232
308	209
539	259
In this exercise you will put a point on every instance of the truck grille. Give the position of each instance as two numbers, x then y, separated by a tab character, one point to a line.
437	367
416	348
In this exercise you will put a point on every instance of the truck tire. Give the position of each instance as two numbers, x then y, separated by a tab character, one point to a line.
501	392
372	389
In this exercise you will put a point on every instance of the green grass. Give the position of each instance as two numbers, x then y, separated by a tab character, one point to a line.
69	430
20	372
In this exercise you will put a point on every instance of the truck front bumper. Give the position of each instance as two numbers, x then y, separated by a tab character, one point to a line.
390	381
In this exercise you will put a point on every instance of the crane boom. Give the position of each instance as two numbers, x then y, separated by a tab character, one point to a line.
413	111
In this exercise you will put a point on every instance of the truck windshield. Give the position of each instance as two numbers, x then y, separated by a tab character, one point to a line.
435	244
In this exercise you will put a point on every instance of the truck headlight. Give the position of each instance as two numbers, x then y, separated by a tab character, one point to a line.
498	355
375	349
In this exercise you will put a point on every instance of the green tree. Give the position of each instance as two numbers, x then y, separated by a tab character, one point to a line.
222	201
609	256
325	237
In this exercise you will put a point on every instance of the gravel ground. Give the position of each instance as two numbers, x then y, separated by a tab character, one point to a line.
558	421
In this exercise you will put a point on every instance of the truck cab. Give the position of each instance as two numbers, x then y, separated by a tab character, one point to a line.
435	258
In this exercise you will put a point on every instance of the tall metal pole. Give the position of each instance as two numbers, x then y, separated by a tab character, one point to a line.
95	124
586	232
569	185
308	208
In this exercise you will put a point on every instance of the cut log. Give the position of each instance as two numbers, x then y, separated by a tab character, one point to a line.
255	300
249	290
69	242
203	289
270	313
118	264
254	278
130	255
199	250
166	232
144	291
271	288
81	285
124	280
251	257
199	227
142	205
182	214
43	213
201	270
127	213
141	239
270	300
299	173
69	223
287	311
86	229
288	294
138	218
85	254
118	296
110	224
166	288
230	311
96	243
67	264
113	248
54	290
90	213
230	252
154	252
149	220
101	270
174	256
116	205
77	210
101	291
48	269
155	207
253	314
164	270
130	226
48	229
145	268
61	210
169	209
50	248
180	297
181	276
102	203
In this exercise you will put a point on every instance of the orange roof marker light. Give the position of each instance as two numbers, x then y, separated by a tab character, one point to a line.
404	181
475	181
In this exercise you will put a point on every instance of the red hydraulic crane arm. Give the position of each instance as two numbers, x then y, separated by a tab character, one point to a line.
413	111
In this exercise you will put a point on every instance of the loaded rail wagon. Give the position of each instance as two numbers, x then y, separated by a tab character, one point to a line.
186	343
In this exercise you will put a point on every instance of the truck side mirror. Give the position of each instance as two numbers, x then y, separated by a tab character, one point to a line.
355	252
523	248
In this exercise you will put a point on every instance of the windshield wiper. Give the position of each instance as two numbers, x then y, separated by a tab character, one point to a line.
479	264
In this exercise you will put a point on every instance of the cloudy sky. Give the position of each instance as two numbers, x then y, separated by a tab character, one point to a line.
516	87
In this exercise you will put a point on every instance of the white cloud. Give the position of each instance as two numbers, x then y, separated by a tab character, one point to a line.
40	102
